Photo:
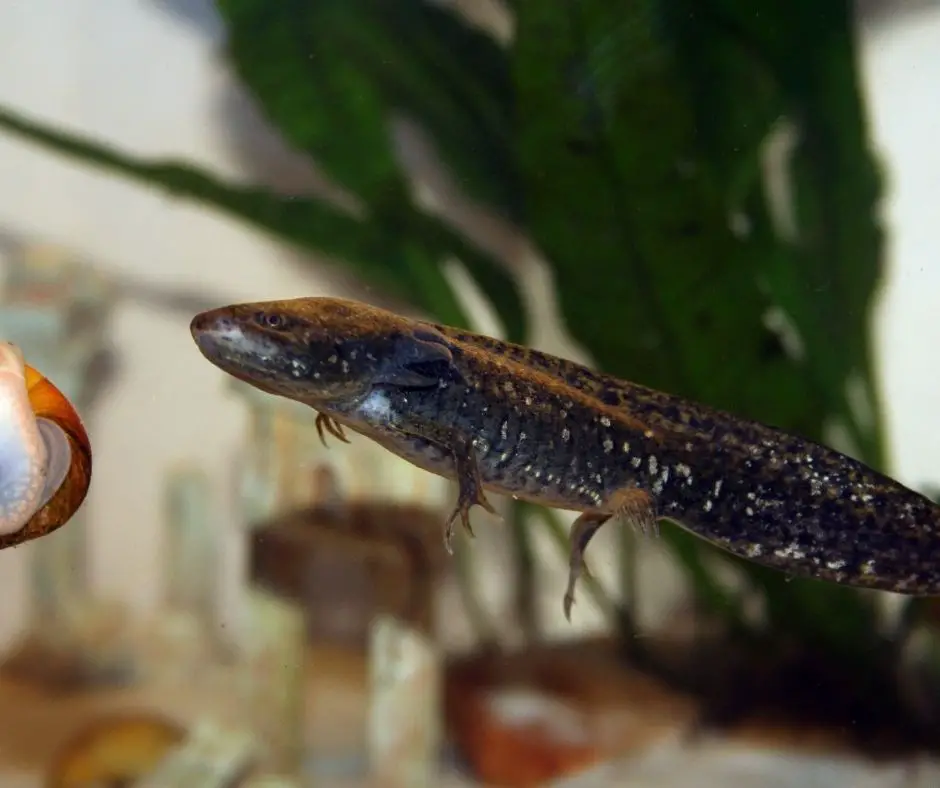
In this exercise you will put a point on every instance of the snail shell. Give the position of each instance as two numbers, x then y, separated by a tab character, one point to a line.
45	454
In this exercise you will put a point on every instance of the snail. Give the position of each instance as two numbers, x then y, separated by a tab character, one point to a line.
45	454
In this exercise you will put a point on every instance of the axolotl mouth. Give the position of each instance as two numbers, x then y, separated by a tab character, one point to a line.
236	346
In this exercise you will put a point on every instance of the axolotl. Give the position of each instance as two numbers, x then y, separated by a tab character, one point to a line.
500	417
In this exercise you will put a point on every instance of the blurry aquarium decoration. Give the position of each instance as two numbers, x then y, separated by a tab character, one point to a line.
690	188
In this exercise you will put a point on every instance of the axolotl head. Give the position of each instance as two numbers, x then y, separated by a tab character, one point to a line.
318	350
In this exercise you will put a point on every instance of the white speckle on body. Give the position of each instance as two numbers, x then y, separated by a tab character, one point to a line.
791	551
377	408
660	483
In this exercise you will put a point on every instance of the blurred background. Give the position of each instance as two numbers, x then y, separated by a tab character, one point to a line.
729	201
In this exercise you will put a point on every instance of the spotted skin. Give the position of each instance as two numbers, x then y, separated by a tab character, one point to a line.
503	418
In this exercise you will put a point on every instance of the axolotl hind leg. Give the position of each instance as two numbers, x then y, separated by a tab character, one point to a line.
469	489
633	505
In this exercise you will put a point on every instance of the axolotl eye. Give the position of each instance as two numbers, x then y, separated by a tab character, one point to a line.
271	320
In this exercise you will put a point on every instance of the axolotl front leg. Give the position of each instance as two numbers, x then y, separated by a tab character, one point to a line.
421	360
466	471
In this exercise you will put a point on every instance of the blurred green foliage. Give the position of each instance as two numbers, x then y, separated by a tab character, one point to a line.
629	140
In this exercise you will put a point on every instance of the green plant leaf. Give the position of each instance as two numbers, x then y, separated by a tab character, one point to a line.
839	247
388	256
329	73
742	66
744	78
673	297
734	97
669	297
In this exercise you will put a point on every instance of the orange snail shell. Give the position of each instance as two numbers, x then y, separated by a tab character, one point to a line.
48	403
